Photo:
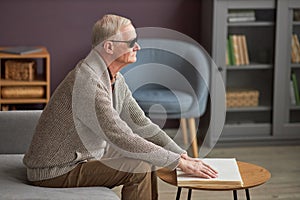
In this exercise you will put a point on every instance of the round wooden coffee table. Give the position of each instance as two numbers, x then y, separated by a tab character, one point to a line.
252	175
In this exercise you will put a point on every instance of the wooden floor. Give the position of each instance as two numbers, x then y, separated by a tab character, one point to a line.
282	161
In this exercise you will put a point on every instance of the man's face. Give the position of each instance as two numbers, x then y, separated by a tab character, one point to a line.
126	54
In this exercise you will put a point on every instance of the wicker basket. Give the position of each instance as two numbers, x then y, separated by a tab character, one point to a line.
242	98
22	92
20	70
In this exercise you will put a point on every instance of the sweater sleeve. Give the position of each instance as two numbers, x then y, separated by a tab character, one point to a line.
134	116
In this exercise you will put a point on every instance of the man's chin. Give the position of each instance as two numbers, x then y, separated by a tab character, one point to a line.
132	61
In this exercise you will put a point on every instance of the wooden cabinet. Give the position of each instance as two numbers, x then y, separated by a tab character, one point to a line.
17	93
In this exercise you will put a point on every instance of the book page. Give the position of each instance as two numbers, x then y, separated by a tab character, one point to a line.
228	173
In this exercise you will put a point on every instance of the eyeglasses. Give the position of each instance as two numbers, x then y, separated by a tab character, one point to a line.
130	43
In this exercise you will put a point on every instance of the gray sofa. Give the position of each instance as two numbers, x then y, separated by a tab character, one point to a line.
16	130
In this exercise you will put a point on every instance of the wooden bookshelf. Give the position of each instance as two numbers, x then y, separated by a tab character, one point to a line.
41	79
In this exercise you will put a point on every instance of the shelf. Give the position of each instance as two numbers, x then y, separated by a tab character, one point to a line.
41	79
22	101
295	65
247	129
249	67
251	24
293	128
250	109
296	23
42	54
22	83
247	125
294	107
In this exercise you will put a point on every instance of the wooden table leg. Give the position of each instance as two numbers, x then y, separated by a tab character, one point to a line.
247	194
178	193
189	194
235	197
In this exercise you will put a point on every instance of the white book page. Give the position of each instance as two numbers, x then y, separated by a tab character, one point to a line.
227	169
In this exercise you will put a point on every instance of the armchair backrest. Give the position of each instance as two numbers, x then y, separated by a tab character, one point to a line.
171	64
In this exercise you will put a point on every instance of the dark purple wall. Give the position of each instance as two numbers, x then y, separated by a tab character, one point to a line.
64	26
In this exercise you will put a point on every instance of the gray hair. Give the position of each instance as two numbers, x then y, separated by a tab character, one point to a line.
106	27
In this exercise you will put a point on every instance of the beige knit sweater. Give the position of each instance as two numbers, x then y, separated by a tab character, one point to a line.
84	116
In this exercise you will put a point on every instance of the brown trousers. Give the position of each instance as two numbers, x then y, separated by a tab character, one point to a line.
138	181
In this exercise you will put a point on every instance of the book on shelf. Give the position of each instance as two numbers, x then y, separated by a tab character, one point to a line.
295	87
228	174
296	15
240	49
227	59
229	52
241	19
292	93
236	46
245	50
21	50
295	49
241	16
237	50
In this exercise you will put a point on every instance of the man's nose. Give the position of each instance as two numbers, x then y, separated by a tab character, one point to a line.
137	47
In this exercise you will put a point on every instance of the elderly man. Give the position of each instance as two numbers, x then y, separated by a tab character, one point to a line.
93	133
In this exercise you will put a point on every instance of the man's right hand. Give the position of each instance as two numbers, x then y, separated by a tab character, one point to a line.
196	167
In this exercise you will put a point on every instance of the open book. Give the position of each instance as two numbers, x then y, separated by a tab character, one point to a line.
228	174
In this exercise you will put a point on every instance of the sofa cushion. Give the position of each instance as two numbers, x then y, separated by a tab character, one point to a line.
14	185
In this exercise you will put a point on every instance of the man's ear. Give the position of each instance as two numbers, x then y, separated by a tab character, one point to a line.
108	47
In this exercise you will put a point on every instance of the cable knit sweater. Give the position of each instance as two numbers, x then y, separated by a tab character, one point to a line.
84	116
